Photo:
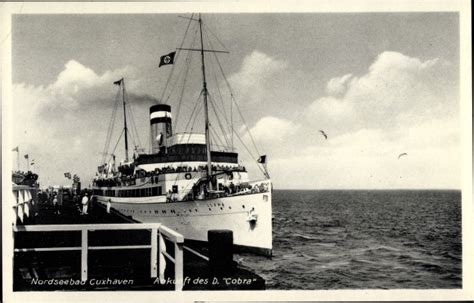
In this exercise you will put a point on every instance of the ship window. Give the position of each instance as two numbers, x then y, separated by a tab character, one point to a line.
175	189
159	190
142	192
154	191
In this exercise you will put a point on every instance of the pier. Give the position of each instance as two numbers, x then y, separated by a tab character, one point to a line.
57	248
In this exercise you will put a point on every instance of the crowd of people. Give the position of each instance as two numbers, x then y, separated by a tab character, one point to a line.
55	200
119	179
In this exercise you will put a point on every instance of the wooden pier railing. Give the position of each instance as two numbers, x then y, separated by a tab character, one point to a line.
157	245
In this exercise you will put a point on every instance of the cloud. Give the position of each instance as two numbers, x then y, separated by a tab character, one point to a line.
368	158
337	86
270	128
396	91
401	104
65	123
254	76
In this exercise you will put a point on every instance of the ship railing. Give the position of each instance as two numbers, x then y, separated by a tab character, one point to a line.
157	245
253	187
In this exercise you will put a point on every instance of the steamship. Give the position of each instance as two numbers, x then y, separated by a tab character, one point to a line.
189	181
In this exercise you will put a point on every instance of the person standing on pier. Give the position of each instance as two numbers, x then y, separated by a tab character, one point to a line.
55	205
85	202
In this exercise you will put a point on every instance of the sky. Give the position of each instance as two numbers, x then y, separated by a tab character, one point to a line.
378	84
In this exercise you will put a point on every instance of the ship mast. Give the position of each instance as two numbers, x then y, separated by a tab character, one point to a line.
205	95
125	120
206	113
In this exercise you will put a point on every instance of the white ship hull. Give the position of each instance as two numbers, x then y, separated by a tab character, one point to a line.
249	217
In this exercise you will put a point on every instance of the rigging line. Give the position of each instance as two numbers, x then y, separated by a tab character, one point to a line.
213	106
134	125
246	126
217	85
132	115
189	136
236	105
196	103
179	75
216	137
231	100
177	55
110	128
222	99
249	152
215	36
118	141
223	114
189	58
196	116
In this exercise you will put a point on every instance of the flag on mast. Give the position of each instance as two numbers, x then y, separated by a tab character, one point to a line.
262	159
26	156
167	59
118	82
16	149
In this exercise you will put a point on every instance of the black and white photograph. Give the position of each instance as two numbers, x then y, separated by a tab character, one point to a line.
171	150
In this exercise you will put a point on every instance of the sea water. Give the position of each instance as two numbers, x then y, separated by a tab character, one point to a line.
373	239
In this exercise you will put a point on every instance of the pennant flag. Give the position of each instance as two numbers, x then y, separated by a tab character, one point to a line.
15	149
26	156
67	175
118	82
167	59
262	159
32	162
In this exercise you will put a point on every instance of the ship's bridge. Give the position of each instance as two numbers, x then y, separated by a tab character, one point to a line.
188	149
195	139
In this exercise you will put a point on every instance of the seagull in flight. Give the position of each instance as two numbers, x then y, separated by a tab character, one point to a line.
401	155
324	134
